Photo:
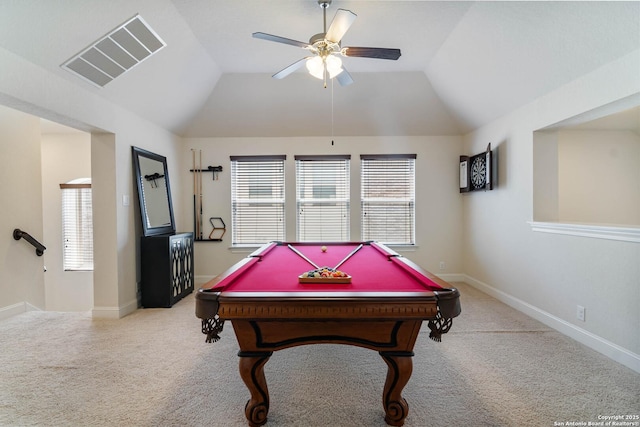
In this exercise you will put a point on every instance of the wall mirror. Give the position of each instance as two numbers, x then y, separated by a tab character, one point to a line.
154	192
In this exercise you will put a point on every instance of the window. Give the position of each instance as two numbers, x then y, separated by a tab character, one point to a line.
77	225
257	199
322	196
388	198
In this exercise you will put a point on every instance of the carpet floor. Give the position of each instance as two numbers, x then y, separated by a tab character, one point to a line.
496	367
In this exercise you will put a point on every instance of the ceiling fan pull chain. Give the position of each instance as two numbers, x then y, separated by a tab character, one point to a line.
332	112
324	73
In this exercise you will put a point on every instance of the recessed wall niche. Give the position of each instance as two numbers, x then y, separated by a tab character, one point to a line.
586	170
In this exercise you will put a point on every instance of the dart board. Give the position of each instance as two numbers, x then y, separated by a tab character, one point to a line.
475	172
479	171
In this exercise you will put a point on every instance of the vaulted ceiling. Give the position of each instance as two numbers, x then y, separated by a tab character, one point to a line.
463	64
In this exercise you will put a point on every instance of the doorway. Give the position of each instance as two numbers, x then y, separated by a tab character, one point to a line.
66	157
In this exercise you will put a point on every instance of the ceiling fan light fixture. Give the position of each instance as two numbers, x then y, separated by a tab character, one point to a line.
334	66
315	66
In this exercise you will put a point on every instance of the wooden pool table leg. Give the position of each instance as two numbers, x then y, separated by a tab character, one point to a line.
400	367
252	373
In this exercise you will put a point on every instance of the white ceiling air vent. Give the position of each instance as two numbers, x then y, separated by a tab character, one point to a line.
116	53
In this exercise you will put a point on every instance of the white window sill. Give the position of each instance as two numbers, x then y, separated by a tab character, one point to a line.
609	232
251	248
402	247
243	248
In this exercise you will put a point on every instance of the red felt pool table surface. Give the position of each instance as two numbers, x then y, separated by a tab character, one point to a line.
373	268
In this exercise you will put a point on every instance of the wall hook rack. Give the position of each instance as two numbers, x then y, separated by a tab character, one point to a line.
19	234
214	169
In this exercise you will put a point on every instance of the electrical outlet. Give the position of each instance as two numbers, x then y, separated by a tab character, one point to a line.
442	265
580	313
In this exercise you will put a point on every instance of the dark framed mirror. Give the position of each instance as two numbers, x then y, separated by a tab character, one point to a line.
154	192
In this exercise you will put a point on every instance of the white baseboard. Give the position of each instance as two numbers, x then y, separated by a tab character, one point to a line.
12	310
129	308
31	307
105	313
599	344
114	312
97	312
15	309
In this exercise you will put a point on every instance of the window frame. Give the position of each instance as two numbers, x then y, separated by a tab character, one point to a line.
311	195
406	203
277	216
77	225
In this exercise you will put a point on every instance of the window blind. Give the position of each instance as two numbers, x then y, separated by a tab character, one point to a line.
388	198
322	197
257	199
77	226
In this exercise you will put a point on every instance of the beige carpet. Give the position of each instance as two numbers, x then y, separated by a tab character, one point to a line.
497	367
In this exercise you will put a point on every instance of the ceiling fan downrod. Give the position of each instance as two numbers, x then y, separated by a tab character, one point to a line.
321	46
324	4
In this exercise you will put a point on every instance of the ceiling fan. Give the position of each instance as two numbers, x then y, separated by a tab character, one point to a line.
326	49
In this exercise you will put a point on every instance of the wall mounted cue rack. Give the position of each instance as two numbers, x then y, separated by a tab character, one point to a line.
214	169
217	224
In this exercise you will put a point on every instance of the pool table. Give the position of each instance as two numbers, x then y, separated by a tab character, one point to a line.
379	305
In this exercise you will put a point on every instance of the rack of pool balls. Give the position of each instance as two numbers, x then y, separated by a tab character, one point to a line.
324	275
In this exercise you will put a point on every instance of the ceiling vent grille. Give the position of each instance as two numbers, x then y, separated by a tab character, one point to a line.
116	53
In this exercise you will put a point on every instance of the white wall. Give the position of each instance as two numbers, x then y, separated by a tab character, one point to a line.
545	176
30	89
21	270
438	204
548	275
64	157
598	177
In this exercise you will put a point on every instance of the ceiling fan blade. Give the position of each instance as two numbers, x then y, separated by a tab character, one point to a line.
278	39
373	52
344	78
340	24
290	69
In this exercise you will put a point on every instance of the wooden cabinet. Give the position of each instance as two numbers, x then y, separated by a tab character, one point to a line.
167	269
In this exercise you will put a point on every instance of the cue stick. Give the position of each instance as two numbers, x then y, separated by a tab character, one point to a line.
348	256
302	256
195	199
200	189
